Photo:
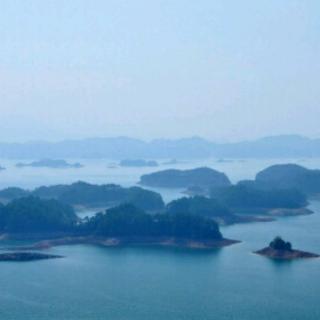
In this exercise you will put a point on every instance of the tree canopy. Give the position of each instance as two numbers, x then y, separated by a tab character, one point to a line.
279	244
127	221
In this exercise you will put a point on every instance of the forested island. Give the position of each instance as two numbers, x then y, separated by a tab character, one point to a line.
35	218
287	176
172	178
284	191
280	249
50	163
206	207
90	195
225	205
138	163
139	216
244	199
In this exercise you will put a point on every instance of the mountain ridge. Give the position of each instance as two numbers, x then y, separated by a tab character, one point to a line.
282	146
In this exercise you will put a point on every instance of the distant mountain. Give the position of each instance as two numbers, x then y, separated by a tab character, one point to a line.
120	148
284	146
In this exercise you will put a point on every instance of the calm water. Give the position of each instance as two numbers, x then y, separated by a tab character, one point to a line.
150	283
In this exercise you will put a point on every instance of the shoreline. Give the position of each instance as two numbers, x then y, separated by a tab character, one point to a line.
123	242
285	254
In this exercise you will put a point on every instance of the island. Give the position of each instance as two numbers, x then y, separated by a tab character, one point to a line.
54	223
82	194
170	162
206	207
50	163
26	256
247	203
225	205
280	249
32	215
287	176
246	199
138	163
173	178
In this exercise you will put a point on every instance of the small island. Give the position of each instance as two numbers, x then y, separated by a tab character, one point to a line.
138	163
280	249
172	178
26	256
50	163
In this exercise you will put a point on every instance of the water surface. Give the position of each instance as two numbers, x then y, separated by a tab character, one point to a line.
154	283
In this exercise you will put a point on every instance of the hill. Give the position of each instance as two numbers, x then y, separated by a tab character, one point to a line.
201	177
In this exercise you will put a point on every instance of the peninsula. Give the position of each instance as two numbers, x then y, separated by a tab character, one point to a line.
26	256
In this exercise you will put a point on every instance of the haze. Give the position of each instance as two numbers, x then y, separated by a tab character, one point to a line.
224	70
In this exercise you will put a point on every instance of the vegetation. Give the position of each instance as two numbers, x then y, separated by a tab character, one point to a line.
245	196
32	214
26	256
81	193
279	244
202	177
198	205
13	193
129	221
286	176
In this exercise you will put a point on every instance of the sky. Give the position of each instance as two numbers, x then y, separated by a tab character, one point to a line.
221	69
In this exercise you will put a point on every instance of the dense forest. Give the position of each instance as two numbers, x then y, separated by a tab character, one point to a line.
32	214
91	195
127	221
172	178
245	196
287	176
35	215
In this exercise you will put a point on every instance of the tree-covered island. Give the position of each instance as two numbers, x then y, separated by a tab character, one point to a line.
35	218
280	249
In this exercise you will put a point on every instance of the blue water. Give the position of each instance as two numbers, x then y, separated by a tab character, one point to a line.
153	283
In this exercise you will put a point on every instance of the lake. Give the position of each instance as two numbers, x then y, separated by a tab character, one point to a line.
157	283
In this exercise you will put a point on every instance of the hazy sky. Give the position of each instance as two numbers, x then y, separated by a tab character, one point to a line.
224	70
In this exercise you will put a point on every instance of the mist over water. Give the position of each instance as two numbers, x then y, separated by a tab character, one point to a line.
229	85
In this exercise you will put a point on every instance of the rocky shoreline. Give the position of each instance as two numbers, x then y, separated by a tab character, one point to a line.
285	254
26	256
132	241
